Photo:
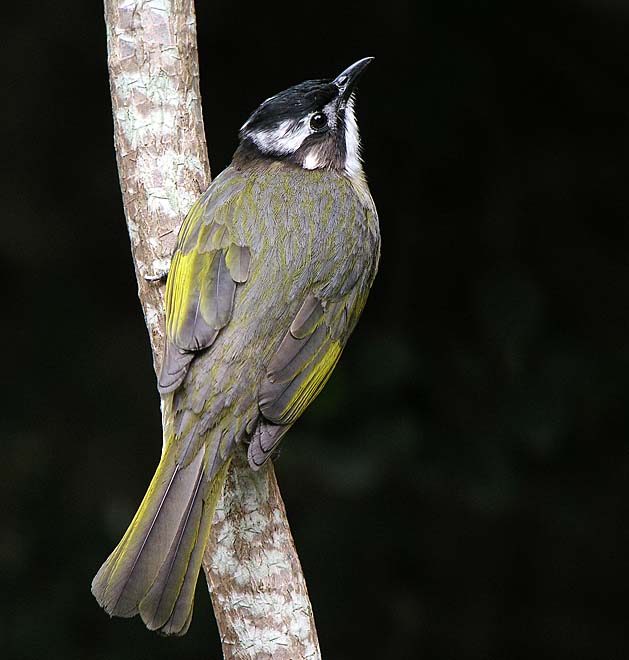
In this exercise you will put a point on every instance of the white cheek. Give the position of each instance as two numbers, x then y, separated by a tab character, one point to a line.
284	139
353	164
312	161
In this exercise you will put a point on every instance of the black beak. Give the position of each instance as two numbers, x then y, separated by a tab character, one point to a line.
348	78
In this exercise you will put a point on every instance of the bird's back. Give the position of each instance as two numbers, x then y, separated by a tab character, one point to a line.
308	232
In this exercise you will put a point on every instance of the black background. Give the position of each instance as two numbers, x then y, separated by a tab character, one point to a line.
460	489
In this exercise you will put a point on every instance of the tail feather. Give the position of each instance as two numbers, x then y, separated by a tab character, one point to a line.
103	585
157	605
178	592
153	570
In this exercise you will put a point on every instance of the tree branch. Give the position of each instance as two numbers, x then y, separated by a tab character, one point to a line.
252	568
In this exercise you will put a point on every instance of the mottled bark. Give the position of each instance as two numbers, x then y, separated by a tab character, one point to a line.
257	586
259	592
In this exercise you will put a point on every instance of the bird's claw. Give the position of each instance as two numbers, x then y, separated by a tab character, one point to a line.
160	271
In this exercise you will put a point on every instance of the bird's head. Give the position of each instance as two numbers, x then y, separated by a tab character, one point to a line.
311	125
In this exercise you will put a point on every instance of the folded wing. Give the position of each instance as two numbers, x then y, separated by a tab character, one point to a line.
205	270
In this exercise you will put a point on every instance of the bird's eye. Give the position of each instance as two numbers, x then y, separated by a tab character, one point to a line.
318	121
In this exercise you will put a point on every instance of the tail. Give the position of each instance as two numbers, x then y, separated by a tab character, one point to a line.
154	569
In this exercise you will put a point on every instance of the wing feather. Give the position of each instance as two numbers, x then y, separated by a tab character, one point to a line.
205	270
307	318
301	366
296	374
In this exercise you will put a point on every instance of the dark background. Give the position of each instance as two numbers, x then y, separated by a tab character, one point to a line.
461	488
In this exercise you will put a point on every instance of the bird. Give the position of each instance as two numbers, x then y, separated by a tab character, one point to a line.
271	271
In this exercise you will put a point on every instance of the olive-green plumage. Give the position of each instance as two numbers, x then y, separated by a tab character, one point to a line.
272	269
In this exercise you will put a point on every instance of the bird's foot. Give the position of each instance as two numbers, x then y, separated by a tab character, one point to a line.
160	271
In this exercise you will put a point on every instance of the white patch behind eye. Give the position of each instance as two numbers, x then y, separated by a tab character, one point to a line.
312	161
283	139
353	162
